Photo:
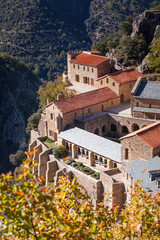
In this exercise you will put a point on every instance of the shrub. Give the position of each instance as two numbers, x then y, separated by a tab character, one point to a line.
96	175
79	164
74	164
17	158
60	151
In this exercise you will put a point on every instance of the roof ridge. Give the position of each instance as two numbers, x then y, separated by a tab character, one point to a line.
85	93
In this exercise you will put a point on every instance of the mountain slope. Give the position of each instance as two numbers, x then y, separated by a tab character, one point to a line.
40	32
105	15
18	101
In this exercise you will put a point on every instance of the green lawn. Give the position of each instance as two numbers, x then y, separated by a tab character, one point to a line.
49	143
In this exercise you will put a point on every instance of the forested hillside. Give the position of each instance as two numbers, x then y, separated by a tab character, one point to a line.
41	32
18	101
105	15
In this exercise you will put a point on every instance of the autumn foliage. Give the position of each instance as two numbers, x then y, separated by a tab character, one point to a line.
51	90
30	210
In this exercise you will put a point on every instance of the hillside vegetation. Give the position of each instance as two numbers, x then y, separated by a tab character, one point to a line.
105	15
18	86
41	32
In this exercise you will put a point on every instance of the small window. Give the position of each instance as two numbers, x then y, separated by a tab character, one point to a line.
113	84
126	153
77	78
51	116
73	65
137	104
50	132
88	69
92	69
107	80
83	68
150	105
101	82
85	80
92	81
78	66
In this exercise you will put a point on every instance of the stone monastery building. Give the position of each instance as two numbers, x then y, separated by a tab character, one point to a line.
110	123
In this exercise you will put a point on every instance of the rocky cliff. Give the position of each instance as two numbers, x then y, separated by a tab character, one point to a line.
146	23
18	86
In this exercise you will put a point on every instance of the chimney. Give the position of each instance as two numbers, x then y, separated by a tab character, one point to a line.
48	102
59	96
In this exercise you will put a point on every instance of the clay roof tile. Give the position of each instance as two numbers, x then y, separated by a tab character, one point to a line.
89	59
84	100
125	76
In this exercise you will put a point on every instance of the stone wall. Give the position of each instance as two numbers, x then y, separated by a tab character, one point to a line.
114	190
104	68
136	149
119	121
69	118
125	89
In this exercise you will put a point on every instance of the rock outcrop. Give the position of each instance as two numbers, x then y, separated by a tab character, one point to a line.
18	100
146	24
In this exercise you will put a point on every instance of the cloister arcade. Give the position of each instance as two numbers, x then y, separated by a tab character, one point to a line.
88	157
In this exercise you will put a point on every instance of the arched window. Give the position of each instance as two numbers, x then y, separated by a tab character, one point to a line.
96	159
134	127
115	165
105	163
113	128
104	129
124	129
101	161
96	131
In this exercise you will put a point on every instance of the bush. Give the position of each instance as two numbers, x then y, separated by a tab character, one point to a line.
88	171
60	151
33	121
96	175
17	158
79	164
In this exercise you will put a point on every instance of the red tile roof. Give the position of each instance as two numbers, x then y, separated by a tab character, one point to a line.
126	76
149	134
84	100
89	59
93	52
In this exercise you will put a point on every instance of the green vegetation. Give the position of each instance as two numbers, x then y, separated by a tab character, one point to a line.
154	56
87	170
33	120
29	210
130	49
96	175
105	15
17	158
49	143
155	5
41	32
51	90
60	151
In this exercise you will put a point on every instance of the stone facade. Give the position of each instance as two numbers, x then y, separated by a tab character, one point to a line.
82	74
133	148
